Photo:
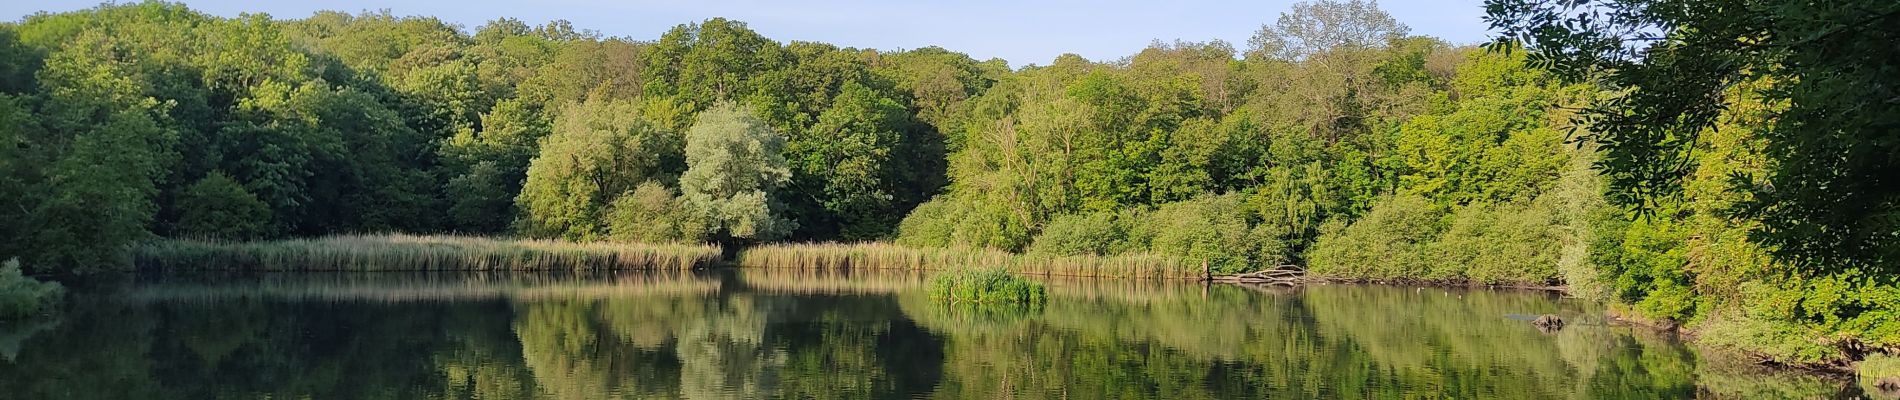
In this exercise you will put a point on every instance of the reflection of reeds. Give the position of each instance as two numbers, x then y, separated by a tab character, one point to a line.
426	286
837	256
823	281
395	252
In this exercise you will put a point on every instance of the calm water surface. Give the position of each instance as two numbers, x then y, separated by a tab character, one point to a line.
785	334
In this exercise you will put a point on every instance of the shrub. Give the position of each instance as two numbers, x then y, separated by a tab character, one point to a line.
218	207
985	286
1388	243
928	225
651	213
1779	340
1081	234
22	296
1212	229
951	222
1508	244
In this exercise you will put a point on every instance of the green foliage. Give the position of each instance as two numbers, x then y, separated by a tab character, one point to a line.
1824	203
985	286
22	296
948	222
599	150
852	162
651	213
99	163
1779	339
1082	234
1505	244
1326	25
1388	243
1212	229
217	207
733	167
489	165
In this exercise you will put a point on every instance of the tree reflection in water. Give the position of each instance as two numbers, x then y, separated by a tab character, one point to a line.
789	334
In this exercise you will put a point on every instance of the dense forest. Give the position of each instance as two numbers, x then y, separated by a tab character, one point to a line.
1334	138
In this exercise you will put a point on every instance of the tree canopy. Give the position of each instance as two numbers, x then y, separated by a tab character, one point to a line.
734	166
1827	201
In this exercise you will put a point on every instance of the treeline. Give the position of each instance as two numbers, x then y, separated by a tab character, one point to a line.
1334	139
1451	159
129	121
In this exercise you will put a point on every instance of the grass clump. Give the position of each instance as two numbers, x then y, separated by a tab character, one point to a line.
22	296
395	252
985	286
1879	367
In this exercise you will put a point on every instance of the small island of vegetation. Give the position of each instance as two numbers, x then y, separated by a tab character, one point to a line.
21	296
985	286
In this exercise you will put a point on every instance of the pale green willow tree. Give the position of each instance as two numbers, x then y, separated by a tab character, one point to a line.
733	166
598	151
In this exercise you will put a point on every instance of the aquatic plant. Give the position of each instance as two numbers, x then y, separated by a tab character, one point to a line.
396	252
985	286
22	296
1879	366
842	256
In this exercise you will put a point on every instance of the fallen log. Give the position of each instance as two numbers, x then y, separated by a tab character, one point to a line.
1286	275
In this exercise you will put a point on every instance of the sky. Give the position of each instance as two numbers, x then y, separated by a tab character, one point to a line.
1020	31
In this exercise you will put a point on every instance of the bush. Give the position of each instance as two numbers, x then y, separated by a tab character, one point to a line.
1081	234
1212	229
217	207
1388	243
928	225
21	296
1506	244
950	222
651	213
1407	238
985	286
1779	340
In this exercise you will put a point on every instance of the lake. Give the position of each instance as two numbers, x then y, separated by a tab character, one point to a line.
797	334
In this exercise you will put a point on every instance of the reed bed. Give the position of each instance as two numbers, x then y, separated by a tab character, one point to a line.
401	287
839	256
396	252
986	286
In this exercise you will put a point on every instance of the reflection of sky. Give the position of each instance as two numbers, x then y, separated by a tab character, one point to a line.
1023	32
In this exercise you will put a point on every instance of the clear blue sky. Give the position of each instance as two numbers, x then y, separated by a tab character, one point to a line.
1021	31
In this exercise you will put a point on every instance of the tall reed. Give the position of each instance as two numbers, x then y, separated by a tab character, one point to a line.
986	286
839	256
396	287
396	252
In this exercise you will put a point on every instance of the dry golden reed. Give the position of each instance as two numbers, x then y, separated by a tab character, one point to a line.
882	256
397	252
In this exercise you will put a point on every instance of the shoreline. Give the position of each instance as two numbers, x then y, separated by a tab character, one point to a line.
839	257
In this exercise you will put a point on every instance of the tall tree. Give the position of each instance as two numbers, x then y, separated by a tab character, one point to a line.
1318	26
1829	201
599	150
106	148
733	167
